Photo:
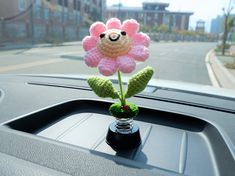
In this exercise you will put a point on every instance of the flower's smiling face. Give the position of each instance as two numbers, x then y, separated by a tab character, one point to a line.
113	43
115	46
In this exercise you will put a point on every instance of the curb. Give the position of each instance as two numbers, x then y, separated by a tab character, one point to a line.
71	57
214	81
219	75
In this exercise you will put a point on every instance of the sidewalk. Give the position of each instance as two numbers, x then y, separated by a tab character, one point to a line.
220	76
11	46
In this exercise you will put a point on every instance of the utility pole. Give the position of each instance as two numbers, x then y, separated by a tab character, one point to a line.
32	21
2	28
63	21
227	13
76	18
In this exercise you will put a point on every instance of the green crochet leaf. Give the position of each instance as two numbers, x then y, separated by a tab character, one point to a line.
103	87
138	82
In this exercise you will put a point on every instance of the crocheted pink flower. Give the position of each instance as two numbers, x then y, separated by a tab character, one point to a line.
114	46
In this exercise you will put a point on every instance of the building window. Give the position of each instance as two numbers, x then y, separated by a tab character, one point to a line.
174	20
86	8
22	5
65	14
74	5
37	11
60	2
166	19
46	13
78	5
70	16
66	3
38	2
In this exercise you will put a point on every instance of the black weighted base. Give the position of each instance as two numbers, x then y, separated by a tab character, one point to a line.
123	141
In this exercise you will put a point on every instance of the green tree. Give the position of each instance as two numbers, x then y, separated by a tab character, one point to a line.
231	23
155	28
145	28
163	28
175	30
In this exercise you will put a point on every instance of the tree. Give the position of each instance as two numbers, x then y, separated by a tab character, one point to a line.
163	28
155	28
231	23
145	28
227	26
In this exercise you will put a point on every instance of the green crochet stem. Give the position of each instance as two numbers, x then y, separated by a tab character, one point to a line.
122	97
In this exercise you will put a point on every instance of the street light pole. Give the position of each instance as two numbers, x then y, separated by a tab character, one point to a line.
32	21
2	27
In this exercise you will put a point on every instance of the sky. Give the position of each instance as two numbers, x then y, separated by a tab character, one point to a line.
203	9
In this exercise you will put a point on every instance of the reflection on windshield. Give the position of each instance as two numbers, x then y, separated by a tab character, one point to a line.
191	41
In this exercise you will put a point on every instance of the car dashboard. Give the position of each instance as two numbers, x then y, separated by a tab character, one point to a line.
55	125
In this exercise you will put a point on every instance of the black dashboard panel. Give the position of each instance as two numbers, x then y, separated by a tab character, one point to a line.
60	127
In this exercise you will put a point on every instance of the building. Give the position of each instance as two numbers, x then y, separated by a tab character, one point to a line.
152	13
200	26
48	20
217	25
13	7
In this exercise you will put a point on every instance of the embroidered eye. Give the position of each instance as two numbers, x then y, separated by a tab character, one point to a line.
123	32
102	35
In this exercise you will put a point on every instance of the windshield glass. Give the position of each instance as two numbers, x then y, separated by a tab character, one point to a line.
191	41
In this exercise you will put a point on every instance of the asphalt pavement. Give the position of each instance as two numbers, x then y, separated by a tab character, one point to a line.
179	61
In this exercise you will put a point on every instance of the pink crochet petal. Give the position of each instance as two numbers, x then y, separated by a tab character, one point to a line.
141	39
139	53
113	23
107	66
89	42
97	28
131	27
93	57
125	64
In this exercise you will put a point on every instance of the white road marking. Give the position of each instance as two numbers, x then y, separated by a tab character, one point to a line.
212	76
29	65
38	50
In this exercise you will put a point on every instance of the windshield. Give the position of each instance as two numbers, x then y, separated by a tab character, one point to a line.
191	41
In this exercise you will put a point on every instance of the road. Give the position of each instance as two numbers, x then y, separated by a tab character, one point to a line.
172	61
